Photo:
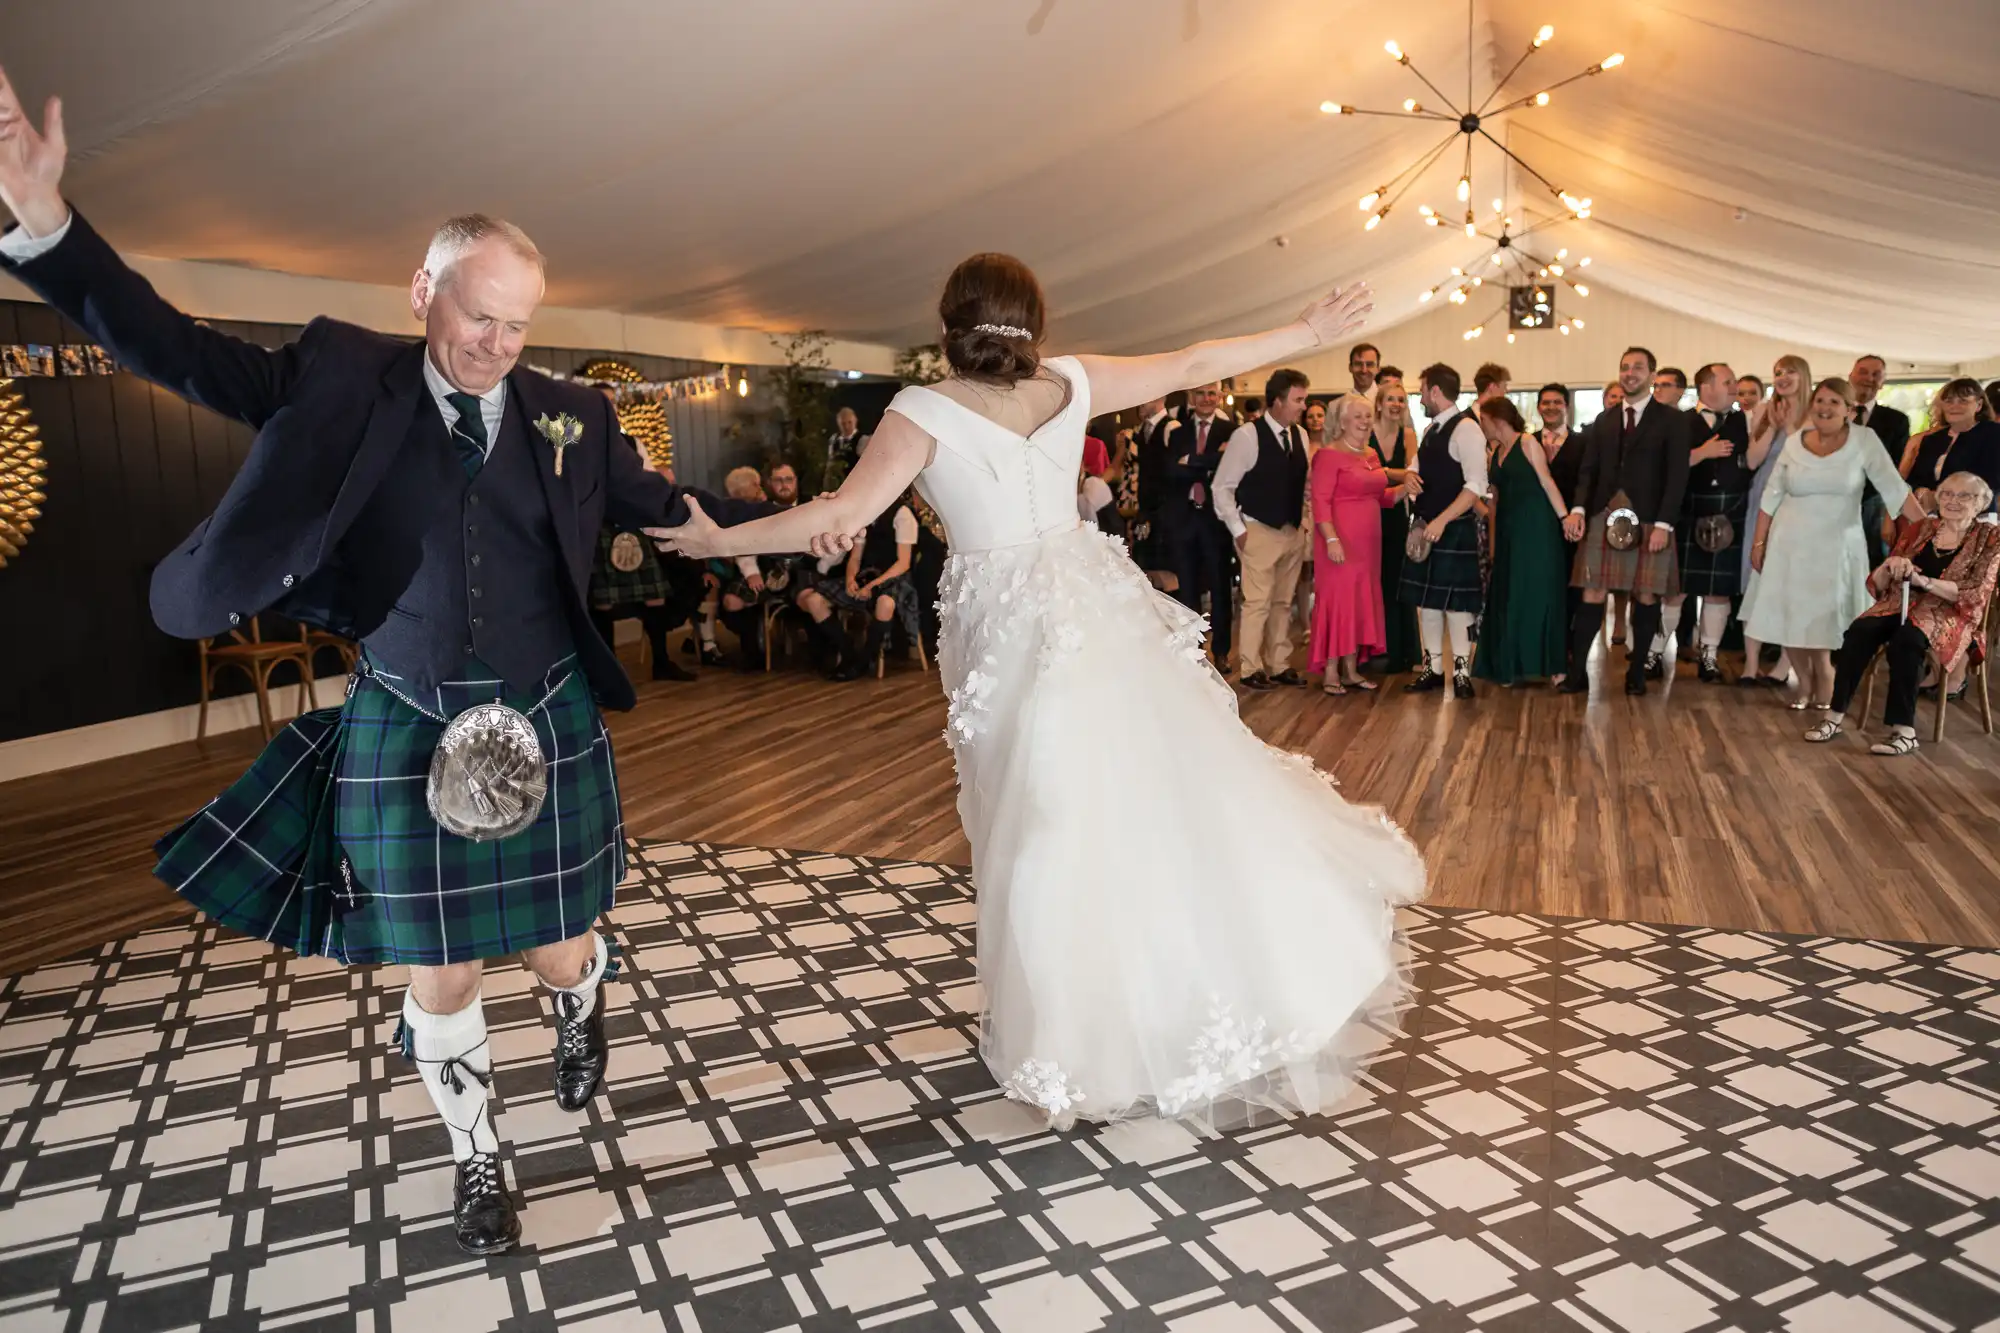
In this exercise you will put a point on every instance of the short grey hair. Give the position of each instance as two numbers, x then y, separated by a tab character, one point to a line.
458	235
1970	481
1343	403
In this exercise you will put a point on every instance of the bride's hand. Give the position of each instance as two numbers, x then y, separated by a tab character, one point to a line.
698	538
1338	313
828	545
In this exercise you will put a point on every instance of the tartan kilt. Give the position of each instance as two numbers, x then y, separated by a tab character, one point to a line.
611	586
1638	571
326	845
902	588
1720	573
1451	579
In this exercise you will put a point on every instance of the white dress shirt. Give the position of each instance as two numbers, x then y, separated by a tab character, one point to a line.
20	247
492	403
1468	449
1237	460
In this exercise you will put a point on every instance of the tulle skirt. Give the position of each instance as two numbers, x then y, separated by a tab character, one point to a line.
1175	919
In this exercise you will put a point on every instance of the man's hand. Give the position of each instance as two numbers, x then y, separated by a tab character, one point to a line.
1715	448
1656	540
698	538
1435	530
1573	527
755	582
31	163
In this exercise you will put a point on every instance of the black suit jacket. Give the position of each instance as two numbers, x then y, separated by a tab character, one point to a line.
1181	468
1651	468
1567	463
1893	427
324	524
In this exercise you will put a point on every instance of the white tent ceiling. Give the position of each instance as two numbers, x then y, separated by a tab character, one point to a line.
822	163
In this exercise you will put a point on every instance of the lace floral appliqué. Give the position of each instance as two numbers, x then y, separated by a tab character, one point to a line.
1230	1051
1041	1083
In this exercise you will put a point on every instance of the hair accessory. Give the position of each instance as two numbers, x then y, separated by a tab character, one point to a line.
1003	330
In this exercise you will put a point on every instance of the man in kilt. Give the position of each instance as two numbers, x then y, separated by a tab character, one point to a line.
440	505
1714	518
1445	586
1628	496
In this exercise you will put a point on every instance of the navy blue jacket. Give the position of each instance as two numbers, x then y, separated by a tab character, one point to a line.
325	522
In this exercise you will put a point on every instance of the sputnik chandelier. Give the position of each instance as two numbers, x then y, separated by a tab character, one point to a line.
1515	270
1466	123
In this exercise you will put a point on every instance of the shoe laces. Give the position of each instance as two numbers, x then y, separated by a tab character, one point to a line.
479	1176
572	1030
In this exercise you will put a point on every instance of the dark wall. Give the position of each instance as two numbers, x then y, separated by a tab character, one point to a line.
131	470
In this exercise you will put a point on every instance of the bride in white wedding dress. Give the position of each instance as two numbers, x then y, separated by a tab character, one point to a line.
1175	919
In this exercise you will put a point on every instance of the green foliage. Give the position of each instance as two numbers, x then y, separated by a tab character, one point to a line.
803	416
921	365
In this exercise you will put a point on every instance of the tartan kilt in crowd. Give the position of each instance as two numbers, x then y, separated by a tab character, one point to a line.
902	588
783	575
1718	573
326	845
1639	571
611	586
1451	579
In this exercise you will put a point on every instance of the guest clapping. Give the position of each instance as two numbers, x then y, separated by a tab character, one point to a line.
1945	566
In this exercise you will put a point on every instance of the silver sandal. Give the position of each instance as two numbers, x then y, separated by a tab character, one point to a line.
1824	732
1895	745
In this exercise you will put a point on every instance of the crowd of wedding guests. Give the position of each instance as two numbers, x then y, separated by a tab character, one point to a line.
1802	519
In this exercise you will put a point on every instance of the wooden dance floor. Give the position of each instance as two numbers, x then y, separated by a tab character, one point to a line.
1696	807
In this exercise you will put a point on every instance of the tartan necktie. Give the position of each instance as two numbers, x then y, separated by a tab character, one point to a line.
468	433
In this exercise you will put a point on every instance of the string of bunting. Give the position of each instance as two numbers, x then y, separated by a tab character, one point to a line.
49	360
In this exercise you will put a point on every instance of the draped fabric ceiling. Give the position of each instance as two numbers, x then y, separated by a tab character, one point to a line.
1818	170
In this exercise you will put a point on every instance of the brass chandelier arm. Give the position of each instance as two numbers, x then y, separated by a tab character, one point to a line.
1515	158
1410	65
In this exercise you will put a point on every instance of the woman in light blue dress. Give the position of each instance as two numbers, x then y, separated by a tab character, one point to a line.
1783	415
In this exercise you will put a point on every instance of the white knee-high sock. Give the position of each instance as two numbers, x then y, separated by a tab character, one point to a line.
601	969
450	1052
1714	621
1460	625
1670	616
1430	629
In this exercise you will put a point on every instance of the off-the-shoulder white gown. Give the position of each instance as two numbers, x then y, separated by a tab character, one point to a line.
1175	918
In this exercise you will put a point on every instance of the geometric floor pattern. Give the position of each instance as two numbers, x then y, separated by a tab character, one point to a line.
1585	1125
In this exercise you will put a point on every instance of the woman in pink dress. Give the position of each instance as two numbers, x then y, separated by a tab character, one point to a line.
1349	491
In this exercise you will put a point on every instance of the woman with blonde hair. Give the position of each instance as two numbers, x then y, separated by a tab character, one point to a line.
1781	416
1809	553
1393	437
1962	437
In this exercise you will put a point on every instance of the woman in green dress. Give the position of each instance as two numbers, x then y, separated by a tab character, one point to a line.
1526	636
1394	440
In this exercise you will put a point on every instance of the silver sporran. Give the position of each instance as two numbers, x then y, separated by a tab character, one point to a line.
488	774
1621	530
1714	533
627	552
1417	546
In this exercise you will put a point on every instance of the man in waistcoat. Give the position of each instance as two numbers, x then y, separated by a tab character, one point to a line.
1260	495
440	505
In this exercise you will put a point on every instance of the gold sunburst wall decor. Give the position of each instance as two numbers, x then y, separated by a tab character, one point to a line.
23	472
641	418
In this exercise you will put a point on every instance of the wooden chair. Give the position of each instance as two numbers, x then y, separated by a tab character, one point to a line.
257	660
1975	669
318	640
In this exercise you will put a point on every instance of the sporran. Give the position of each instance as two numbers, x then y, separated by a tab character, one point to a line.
1714	533
627	552
488	774
1621	530
1417	546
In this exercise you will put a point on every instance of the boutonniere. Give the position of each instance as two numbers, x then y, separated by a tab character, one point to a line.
564	431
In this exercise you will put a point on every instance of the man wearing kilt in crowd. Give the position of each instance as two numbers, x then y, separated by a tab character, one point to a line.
1445	585
1628	495
1714	518
628	573
875	579
440	505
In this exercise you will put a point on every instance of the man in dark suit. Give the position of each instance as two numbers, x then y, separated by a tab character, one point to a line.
1147	464
1193	542
441	505
1629	485
1893	428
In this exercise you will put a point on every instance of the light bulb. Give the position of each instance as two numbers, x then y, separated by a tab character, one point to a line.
1479	282
1541	99
1569	201
1565	330
743	387
1230	401
1582	290
1425	297
1498	205
1458	298
1464	188
1582	213
1393	49
1562	254
1613	61
1471	230
1583	262
1458	272
1433	220
1409	104
1556	269
1576	323
1369	200
1332	108
1543	274
1426	210
1496	256
1544	35
1510	338
1374	221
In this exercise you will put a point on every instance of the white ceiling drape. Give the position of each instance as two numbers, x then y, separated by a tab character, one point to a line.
1817	170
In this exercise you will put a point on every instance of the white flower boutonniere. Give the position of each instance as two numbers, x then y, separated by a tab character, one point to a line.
564	431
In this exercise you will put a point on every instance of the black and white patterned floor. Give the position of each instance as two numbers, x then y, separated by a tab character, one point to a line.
1586	1125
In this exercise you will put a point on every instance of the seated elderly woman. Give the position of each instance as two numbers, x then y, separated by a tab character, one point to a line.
1946	564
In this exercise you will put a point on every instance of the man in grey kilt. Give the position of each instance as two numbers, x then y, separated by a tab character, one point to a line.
441	505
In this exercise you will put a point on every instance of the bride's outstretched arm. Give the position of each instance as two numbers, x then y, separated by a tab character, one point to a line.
896	453
1119	382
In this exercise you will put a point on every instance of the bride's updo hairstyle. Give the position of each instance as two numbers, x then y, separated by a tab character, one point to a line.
992	314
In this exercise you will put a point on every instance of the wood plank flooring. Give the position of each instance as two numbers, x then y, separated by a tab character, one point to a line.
1698	805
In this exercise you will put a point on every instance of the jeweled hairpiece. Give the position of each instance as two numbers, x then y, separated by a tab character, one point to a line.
1003	330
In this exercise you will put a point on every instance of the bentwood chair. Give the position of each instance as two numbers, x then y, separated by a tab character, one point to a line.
1975	672
256	659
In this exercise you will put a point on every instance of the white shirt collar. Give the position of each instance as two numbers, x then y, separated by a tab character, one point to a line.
492	403
1156	418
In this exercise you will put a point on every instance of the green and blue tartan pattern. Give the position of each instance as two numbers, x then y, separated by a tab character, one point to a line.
326	845
1449	580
